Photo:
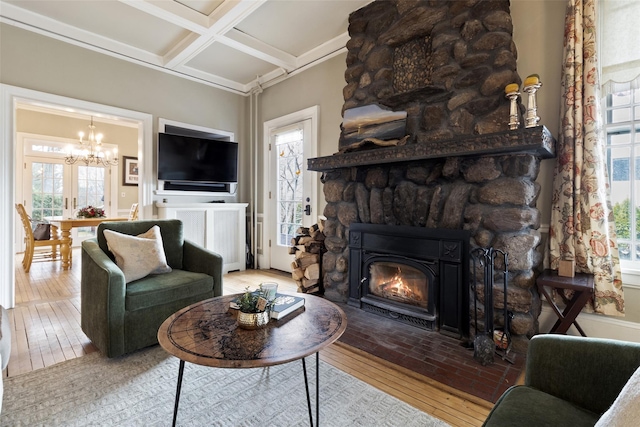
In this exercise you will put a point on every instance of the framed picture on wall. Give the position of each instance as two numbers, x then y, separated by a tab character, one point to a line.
129	170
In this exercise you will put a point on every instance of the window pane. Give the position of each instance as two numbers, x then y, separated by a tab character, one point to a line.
90	186
620	170
624	251
622	217
619	165
620	115
48	185
619	136
620	98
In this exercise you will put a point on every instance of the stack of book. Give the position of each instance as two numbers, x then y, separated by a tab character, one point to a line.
284	305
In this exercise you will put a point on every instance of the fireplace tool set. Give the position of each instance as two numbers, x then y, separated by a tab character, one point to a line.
490	341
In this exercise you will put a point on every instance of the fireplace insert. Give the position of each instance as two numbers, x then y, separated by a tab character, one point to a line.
415	275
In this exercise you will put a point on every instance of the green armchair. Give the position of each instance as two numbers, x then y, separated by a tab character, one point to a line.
569	381
122	317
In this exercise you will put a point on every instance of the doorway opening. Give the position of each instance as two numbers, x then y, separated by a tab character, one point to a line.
12	98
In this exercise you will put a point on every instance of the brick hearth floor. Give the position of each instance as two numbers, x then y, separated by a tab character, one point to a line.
432	354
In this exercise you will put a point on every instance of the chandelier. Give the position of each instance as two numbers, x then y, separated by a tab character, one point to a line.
90	150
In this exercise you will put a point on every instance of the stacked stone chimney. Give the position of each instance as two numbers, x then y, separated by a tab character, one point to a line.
446	64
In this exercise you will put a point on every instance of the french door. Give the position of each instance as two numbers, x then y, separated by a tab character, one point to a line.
291	189
58	190
51	189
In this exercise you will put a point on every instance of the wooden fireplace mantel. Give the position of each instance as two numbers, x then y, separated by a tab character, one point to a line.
535	140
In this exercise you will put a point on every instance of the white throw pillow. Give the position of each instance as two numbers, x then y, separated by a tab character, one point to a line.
138	256
625	410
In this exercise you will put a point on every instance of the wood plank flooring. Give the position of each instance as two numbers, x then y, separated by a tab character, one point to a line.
46	330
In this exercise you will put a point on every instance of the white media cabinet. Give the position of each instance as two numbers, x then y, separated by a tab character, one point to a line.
219	227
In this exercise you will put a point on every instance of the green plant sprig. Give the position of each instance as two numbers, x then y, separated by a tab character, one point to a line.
248	301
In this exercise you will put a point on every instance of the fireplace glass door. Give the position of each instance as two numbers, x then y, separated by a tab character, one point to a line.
399	282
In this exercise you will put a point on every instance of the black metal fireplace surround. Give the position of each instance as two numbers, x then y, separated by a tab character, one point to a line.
414	275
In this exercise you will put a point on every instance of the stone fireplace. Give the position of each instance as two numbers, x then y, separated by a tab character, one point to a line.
445	63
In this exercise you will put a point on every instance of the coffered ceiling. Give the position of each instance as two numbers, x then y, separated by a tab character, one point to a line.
233	45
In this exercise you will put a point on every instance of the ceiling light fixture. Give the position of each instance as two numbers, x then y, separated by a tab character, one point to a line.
90	150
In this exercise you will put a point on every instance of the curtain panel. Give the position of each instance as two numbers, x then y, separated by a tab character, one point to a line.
582	227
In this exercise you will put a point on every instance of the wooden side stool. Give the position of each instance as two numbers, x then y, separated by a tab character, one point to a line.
581	285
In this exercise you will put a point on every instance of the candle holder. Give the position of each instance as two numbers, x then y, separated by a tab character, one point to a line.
531	86
511	92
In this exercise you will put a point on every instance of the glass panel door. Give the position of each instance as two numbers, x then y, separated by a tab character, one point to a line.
291	188
90	190
289	194
54	190
47	190
44	191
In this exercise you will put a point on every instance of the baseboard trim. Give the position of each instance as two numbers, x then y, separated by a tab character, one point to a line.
594	325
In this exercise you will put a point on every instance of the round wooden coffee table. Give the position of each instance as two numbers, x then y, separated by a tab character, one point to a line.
206	333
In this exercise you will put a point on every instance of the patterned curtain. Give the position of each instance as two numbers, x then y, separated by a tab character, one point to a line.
582	227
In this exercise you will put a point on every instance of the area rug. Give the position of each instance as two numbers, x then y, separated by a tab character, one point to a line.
139	390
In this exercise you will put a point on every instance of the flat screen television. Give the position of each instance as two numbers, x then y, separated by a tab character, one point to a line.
196	159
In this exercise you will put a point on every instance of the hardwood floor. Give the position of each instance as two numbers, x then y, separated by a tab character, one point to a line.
46	330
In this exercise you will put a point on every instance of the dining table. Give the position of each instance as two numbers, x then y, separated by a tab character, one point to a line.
66	224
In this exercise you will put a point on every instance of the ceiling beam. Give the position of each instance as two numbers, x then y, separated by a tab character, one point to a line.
212	78
223	19
251	46
172	12
327	48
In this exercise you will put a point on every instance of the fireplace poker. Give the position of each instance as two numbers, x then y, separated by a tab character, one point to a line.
475	294
504	347
483	345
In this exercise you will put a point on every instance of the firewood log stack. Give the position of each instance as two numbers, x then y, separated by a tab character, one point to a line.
308	247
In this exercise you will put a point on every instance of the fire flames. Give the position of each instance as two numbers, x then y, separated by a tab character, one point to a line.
401	288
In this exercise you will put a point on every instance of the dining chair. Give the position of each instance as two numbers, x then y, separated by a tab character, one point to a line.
133	213
40	250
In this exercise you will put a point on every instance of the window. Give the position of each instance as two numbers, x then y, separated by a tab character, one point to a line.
622	130
620	77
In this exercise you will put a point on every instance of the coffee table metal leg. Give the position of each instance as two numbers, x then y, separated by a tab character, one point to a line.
318	389
175	408
306	387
